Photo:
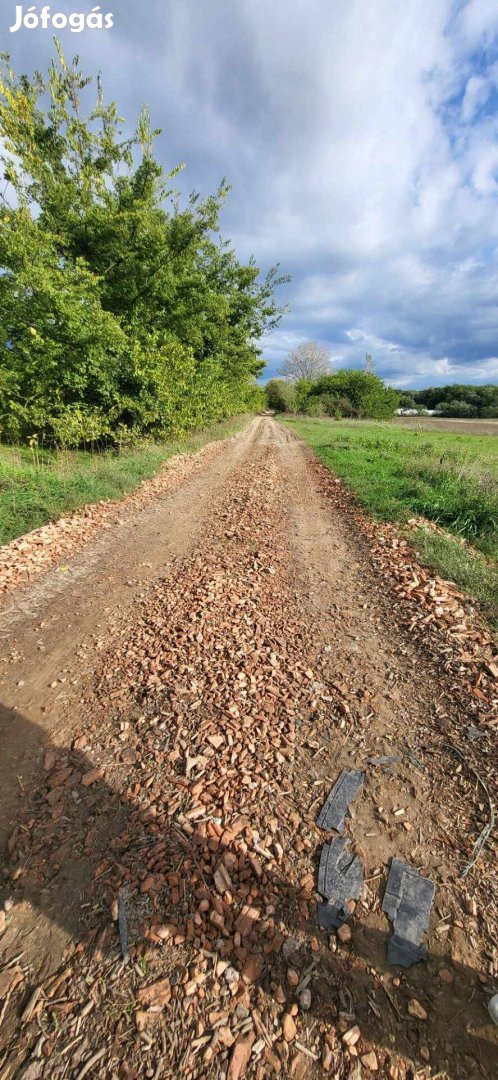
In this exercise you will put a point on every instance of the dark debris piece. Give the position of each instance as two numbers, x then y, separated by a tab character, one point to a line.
407	902
403	953
340	878
332	916
474	732
343	792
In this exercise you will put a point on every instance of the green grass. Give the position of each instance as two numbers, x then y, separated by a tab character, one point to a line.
473	573
450	479
37	488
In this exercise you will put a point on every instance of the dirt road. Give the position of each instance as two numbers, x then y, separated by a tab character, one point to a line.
176	705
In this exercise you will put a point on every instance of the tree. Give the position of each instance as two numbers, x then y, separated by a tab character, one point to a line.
281	395
308	361
356	393
458	408
407	400
479	399
116	301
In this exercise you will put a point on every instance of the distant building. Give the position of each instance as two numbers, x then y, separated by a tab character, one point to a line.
418	412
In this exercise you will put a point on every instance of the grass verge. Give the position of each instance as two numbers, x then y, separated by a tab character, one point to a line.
39	487
448	478
465	566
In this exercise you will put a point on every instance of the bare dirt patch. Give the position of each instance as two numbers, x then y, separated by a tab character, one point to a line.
461	427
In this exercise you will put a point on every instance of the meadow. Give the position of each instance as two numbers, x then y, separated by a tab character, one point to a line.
400	472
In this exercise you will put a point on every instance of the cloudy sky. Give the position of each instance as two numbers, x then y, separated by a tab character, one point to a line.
361	139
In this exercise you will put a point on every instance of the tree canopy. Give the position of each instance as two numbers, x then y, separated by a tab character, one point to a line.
457	399
345	393
121	309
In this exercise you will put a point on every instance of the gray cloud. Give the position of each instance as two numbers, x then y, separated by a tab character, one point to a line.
362	144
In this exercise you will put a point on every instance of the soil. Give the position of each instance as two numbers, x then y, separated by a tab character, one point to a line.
461	427
178	699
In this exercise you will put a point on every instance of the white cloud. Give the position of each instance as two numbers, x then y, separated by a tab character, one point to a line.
476	94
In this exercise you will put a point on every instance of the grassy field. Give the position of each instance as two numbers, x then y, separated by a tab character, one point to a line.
449	478
40	486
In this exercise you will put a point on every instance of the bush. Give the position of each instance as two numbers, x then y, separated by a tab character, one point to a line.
315	406
458	409
281	395
354	393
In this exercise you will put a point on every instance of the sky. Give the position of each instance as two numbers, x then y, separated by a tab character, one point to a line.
361	140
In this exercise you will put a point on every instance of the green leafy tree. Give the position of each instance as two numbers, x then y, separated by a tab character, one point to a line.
366	394
446	399
302	389
458	408
116	302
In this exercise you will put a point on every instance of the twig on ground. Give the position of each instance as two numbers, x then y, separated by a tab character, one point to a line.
90	1063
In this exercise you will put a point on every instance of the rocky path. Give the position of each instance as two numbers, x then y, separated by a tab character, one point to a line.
176	706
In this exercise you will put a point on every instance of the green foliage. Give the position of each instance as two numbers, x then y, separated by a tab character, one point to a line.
458	400
458	408
120	309
315	406
353	393
302	388
281	395
407	400
346	393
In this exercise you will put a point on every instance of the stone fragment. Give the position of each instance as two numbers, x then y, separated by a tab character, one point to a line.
216	741
370	1061
344	934
351	1036
305	999
289	948
289	1029
241	1054
225	1037
158	993
253	967
416	1010
92	777
222	879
